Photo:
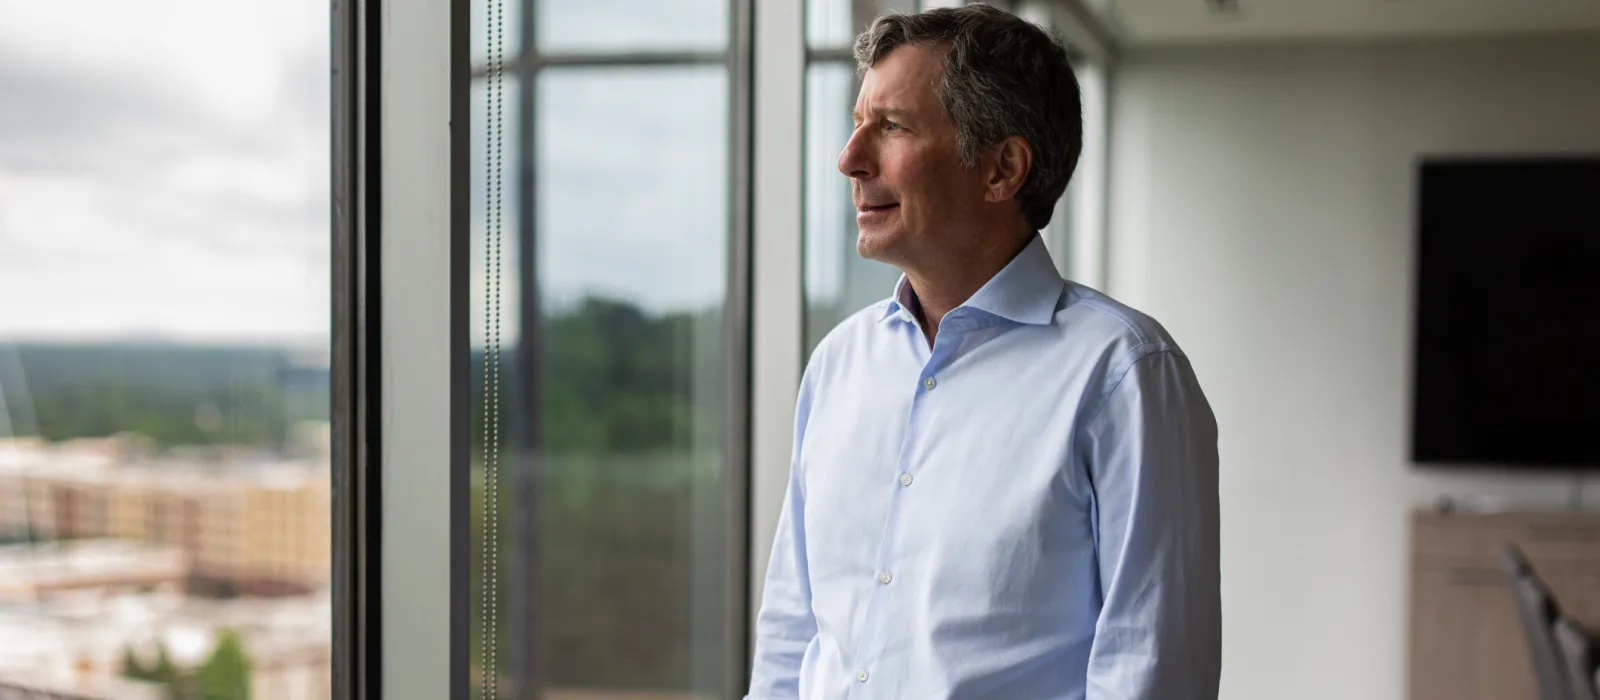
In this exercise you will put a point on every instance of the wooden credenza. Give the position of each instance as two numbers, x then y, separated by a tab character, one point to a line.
1466	641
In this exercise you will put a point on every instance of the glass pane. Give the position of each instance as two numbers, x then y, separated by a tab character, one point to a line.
164	441
633	192
612	520
835	23
631	25
838	281
496	315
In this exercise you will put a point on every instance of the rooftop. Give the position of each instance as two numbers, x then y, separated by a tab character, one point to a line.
106	461
28	570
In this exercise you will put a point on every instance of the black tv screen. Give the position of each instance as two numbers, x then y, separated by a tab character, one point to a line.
1507	337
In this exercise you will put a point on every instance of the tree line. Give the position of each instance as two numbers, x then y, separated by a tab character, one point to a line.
612	460
225	674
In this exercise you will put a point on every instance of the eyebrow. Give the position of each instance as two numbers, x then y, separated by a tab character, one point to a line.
897	113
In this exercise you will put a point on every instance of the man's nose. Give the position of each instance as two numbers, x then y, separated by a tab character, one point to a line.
856	160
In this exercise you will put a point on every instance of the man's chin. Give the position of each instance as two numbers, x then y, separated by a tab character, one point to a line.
876	244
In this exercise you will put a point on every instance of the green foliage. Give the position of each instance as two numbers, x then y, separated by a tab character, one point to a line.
226	674
608	390
131	668
629	404
623	579
612	379
614	472
174	394
162	671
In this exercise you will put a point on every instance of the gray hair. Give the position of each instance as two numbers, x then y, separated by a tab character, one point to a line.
1003	76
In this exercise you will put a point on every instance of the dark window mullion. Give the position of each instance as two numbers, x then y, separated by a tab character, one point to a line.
531	65
838	54
632	58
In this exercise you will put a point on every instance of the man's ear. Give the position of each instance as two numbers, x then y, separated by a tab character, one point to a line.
1010	162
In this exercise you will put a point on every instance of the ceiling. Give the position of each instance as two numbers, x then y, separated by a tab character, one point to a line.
1145	22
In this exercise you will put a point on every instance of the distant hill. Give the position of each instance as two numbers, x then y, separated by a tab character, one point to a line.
612	379
175	393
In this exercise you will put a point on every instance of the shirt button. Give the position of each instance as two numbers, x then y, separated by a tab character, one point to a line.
861	676
930	383
905	479
885	578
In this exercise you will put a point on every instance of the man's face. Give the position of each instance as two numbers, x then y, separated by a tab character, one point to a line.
910	189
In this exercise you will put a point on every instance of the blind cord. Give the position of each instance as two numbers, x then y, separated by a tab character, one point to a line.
491	359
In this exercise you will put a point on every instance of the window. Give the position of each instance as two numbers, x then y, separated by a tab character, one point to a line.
607	450
164	250
838	282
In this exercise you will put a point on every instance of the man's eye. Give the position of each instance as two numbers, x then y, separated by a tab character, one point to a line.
892	126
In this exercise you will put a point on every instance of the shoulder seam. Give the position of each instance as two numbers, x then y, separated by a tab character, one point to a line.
1138	354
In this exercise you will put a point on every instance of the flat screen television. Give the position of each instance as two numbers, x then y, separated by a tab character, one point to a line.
1506	360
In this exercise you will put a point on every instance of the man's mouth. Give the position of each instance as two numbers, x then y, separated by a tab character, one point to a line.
877	207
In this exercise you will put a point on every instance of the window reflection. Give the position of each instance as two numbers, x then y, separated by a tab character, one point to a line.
632	231
838	281
613	521
633	191
164	442
499	147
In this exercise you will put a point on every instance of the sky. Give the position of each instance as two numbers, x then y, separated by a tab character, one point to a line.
162	173
164	165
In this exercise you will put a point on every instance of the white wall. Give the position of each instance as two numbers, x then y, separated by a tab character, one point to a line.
1261	208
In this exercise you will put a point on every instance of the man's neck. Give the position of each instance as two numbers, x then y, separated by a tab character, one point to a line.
945	284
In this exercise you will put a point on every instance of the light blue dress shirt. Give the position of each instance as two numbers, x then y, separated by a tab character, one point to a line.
1027	511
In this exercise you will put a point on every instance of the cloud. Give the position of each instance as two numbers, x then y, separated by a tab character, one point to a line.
633	173
54	114
163	171
632	187
164	166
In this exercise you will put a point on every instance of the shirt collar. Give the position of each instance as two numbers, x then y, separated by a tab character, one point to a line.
1024	291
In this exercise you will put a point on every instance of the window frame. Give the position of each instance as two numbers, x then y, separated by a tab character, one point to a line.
401	401
524	66
397	412
355	363
778	302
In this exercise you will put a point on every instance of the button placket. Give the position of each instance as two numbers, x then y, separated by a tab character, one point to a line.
868	645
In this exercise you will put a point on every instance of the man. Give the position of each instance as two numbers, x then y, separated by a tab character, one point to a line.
1004	485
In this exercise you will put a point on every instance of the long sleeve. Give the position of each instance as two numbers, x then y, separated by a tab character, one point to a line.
785	625
1151	453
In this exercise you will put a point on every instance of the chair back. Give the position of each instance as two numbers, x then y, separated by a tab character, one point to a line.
1577	651
1537	611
